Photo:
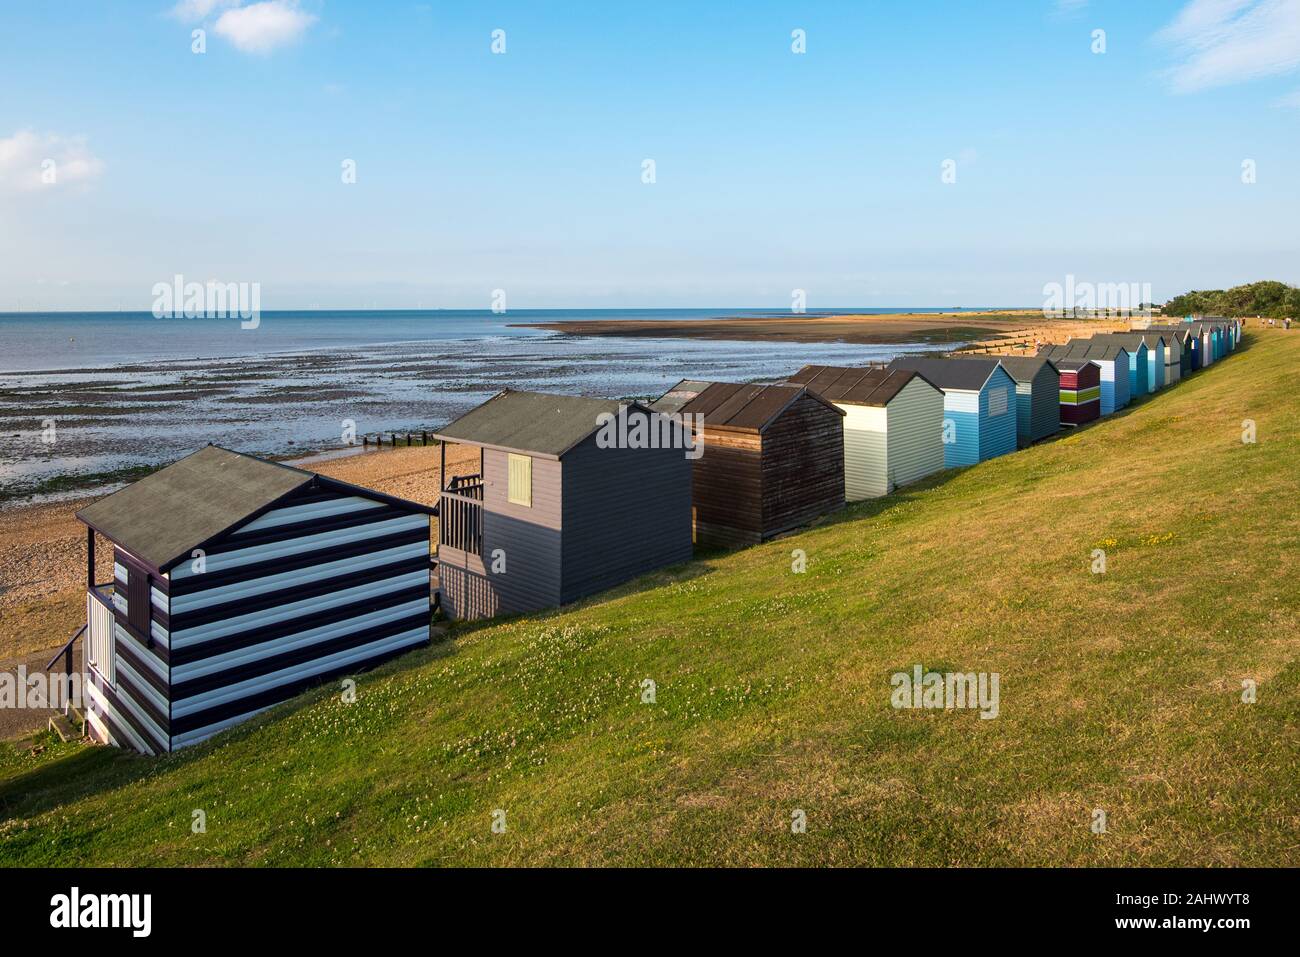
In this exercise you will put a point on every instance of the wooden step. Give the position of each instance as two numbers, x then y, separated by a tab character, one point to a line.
61	726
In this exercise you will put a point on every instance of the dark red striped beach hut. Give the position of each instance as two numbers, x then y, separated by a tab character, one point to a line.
1080	390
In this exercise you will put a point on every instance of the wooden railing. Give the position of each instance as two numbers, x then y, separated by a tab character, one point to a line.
460	514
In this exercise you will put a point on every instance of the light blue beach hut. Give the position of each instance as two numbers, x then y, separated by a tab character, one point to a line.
979	406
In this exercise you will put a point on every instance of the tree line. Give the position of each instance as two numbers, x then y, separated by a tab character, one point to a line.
1267	298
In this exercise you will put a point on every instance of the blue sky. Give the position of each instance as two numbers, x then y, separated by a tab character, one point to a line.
522	171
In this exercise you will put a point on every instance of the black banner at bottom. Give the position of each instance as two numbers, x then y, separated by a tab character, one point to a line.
307	906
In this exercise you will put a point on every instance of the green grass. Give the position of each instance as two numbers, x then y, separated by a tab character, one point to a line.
1118	691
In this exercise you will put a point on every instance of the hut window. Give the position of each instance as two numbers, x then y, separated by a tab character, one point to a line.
998	402
519	489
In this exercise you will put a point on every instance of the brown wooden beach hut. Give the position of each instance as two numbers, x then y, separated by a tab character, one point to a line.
773	459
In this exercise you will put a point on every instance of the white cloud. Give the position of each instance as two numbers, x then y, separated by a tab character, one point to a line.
190	10
31	161
1070	6
261	27
1290	101
1231	41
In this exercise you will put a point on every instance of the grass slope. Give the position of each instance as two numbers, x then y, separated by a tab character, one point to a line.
1119	691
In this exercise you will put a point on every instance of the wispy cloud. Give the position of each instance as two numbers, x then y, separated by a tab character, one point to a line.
1070	6
1231	41
30	161
192	10
256	28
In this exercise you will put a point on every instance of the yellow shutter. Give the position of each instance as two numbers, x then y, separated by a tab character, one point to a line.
520	490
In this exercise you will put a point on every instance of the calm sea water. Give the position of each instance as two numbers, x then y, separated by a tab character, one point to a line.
67	340
128	389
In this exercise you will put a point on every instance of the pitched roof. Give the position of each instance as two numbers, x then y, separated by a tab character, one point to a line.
1130	338
846	386
1020	368
164	516
679	395
1181	333
1085	348
1070	364
968	375
746	408
539	423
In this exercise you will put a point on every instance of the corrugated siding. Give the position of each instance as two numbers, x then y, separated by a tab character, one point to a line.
527	537
1173	360
1139	376
1156	362
803	466
133	709
324	585
866	452
1024	413
727	490
1045	417
915	435
625	512
961	416
1114	392
997	433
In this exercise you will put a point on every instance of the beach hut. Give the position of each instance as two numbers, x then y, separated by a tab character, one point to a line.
573	496
1205	333
893	425
1080	390
237	583
1141	365
1112	362
979	403
1038	387
772	460
1157	350
1183	340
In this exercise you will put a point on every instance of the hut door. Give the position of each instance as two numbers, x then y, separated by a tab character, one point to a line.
138	597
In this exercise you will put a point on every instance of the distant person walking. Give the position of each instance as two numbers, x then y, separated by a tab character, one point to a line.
1286	323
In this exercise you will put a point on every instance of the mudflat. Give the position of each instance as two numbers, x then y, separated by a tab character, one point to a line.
929	327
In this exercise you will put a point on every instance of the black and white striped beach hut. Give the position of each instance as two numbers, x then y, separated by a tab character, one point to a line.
239	582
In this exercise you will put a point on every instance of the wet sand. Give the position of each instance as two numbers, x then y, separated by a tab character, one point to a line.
43	557
982	328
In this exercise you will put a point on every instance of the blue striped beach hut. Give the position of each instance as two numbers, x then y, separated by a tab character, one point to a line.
237	583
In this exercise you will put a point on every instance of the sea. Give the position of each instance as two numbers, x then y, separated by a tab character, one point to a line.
86	395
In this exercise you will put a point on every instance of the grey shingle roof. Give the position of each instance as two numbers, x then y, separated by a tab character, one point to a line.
164	515
965	374
1020	368
1085	348
1127	339
538	423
